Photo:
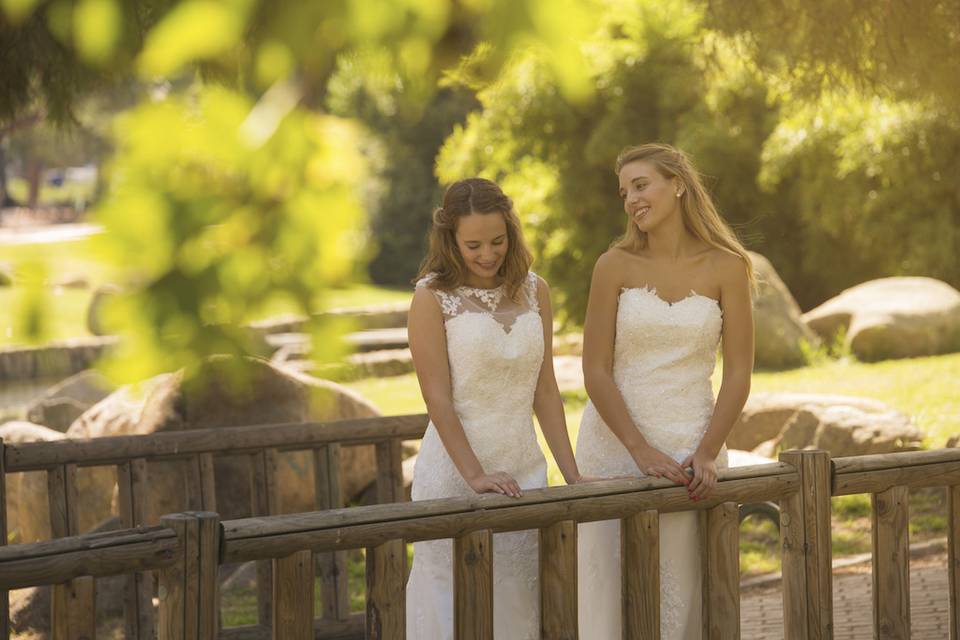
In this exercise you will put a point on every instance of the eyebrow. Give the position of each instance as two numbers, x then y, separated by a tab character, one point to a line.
502	235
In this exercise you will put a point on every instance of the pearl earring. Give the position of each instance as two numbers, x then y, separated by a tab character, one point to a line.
678	194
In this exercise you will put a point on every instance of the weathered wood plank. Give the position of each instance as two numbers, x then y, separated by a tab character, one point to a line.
953	555
793	560
720	545
816	489
640	575
881	461
332	565
4	594
252	539
264	503
891	564
350	629
37	456
72	604
389	471
293	597
208	485
138	596
208	578
172	617
473	586
940	474
386	591
558	581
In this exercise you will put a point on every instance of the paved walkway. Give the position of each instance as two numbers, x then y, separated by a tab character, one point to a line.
761	609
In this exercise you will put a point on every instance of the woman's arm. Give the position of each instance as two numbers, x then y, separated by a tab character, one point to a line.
428	346
547	402
599	334
737	348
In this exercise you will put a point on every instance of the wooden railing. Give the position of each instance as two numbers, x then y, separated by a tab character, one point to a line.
187	548
132	456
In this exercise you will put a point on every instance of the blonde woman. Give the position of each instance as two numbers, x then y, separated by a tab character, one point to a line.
480	330
661	299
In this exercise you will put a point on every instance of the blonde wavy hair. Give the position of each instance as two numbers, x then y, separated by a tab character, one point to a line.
462	198
699	214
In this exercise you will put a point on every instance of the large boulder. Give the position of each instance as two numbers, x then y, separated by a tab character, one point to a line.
27	516
268	395
892	318
67	400
842	425
779	329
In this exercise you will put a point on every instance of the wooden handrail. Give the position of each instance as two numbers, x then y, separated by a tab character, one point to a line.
278	536
35	456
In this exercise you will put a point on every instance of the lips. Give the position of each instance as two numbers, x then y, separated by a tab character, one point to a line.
640	212
489	265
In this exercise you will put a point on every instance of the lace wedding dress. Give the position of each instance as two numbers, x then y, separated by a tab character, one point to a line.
664	356
495	348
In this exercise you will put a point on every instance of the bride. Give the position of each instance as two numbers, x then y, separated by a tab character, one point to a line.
661	299
480	330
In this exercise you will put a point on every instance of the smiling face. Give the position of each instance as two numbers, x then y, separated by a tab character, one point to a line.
482	241
648	197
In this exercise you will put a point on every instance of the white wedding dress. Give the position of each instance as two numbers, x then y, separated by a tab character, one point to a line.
664	355
495	347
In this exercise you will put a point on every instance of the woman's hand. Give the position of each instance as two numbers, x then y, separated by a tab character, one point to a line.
496	482
704	479
582	479
653	462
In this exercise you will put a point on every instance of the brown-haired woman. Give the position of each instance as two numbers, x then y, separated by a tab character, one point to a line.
480	330
661	299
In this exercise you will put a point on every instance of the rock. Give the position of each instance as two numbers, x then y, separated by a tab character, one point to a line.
778	326
66	401
842	425
25	521
892	318
271	396
101	298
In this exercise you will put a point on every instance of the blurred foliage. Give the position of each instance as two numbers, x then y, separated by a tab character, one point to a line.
405	131
903	49
226	192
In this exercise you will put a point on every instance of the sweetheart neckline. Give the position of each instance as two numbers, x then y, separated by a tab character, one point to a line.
653	291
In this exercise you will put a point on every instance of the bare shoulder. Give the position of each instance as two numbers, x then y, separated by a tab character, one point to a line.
612	265
424	301
729	267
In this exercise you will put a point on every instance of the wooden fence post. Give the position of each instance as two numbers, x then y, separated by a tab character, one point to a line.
188	588
473	586
720	543
334	593
208	579
640	575
264	498
558	581
386	591
953	553
293	597
806	550
390	471
891	564
138	597
4	594
72	604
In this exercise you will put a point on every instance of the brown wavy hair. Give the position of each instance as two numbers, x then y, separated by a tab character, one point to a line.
700	216
462	198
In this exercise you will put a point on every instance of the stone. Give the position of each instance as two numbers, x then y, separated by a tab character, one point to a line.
98	302
779	330
67	400
842	425
270	396
26	490
892	318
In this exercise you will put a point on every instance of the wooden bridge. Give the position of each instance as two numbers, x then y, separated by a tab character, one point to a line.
186	549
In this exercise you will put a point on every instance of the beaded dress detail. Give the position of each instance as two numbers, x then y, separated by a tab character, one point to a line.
495	348
664	355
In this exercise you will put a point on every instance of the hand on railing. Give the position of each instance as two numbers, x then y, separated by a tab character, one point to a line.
496	482
655	463
704	479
